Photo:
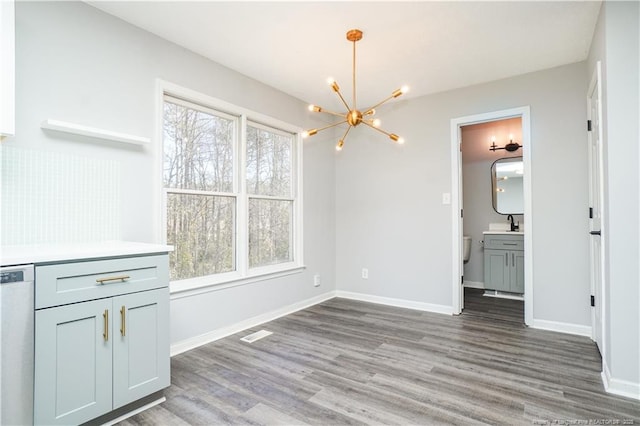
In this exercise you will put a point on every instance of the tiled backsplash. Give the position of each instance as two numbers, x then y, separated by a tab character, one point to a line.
50	197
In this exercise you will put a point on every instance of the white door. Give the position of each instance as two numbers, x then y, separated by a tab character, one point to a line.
461	216
596	195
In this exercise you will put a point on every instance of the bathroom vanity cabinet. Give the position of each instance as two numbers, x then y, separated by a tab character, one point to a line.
101	335
504	262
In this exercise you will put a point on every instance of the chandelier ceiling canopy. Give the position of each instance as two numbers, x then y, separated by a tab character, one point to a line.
353	116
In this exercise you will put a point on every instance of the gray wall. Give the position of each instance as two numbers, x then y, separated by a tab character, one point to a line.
389	213
77	64
616	44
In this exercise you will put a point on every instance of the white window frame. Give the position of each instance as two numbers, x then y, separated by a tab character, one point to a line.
242	274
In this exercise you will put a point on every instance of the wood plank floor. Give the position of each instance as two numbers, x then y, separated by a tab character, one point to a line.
344	362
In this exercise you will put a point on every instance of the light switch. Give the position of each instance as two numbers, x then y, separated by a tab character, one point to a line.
446	198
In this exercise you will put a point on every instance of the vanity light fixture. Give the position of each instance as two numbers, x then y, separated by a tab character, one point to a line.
511	146
353	116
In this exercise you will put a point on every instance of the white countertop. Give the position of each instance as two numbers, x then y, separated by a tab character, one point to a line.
503	233
40	253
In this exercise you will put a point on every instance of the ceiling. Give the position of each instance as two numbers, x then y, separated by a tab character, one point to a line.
431	46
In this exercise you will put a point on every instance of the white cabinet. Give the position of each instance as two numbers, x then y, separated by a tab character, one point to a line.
93	356
504	263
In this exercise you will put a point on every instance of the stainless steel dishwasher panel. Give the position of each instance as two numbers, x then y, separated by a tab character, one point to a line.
16	344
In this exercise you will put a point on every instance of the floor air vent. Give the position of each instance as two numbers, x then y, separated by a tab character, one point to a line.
256	336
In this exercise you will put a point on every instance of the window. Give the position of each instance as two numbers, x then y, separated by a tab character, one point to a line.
231	193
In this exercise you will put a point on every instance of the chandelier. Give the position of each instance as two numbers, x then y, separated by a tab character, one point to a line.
353	117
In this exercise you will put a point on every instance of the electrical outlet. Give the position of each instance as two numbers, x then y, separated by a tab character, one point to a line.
316	280
365	273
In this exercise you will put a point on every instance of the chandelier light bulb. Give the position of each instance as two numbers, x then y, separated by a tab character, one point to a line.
376	122
311	107
339	145
404	89
400	141
330	81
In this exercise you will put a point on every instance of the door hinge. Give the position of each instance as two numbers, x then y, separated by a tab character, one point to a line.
590	212
593	300
588	125
462	280
461	213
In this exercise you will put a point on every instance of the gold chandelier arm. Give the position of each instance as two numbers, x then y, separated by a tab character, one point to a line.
346	133
377	105
395	94
320	109
342	99
312	132
392	136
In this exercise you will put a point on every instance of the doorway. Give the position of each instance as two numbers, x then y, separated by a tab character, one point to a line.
457	203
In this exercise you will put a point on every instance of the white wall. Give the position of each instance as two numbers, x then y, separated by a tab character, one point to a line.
78	64
389	212
616	43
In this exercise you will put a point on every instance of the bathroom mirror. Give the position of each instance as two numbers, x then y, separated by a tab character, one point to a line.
506	183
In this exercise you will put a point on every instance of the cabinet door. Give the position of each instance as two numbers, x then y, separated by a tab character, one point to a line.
73	363
496	270
141	345
517	272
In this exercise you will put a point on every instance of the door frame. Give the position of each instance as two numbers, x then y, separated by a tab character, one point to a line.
596	84
456	202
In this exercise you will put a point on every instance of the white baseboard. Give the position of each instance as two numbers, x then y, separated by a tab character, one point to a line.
473	284
401	303
617	386
194	342
562	327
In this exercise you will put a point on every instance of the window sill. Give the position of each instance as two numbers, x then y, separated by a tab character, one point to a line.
194	286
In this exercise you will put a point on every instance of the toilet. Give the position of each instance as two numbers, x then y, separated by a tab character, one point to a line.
466	248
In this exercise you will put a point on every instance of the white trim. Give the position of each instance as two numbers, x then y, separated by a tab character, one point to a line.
194	342
619	387
191	287
562	327
136	411
190	95
474	284
93	132
456	272
400	303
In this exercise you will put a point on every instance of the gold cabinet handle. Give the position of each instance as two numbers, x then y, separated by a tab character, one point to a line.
123	321
122	278
105	334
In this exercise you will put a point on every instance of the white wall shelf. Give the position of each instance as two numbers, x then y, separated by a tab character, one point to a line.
77	129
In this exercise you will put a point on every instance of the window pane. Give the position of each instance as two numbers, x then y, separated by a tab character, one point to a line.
268	162
270	234
202	229
198	149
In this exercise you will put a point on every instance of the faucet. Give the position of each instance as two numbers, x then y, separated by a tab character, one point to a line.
514	227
